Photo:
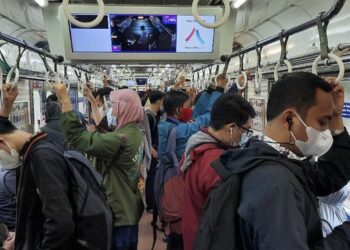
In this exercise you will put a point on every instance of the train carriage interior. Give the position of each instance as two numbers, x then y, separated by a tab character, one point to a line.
152	45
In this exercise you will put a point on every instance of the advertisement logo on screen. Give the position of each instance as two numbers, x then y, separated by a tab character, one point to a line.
198	35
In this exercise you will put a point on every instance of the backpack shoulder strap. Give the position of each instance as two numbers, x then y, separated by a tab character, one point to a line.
153	118
220	168
171	144
29	147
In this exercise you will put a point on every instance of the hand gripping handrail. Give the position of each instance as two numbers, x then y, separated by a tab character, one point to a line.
47	81
93	23
245	76
217	24
10	73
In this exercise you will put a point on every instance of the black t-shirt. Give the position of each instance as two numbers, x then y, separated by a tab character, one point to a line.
153	126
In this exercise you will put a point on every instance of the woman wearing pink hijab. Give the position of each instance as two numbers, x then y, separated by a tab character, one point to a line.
117	156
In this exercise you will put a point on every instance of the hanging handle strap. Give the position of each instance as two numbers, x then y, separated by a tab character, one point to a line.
283	57
241	71
322	30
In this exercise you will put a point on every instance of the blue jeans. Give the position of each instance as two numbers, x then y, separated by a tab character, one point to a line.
125	237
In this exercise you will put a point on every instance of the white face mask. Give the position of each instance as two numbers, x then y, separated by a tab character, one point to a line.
317	144
9	161
112	120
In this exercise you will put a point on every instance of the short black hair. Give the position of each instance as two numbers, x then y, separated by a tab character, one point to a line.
173	100
155	95
6	126
294	90
52	98
101	92
230	108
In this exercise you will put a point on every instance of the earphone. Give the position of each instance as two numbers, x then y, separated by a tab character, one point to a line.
290	122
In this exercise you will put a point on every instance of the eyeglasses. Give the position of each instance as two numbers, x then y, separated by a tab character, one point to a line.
248	131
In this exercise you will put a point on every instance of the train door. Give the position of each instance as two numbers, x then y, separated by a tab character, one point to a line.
37	110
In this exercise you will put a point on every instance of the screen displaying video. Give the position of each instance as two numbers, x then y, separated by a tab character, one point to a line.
143	34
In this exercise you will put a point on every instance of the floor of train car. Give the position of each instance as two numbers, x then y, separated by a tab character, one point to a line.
146	235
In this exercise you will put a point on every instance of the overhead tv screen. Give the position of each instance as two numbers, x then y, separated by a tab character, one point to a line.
143	34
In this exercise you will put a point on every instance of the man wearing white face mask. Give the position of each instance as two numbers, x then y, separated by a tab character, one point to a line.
230	124
44	212
278	205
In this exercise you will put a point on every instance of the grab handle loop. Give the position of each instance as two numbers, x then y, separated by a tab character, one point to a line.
47	80
128	74
217	24
224	72
339	62
9	76
91	24
278	65
15	69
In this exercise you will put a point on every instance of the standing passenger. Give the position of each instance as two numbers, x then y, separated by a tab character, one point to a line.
179	114
230	124
117	156
44	211
278	205
153	114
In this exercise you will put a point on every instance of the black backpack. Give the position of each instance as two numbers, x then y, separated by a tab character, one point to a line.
218	228
93	218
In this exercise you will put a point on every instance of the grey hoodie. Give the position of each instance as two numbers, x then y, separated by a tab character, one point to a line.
196	140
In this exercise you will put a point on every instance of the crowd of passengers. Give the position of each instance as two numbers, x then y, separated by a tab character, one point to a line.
292	177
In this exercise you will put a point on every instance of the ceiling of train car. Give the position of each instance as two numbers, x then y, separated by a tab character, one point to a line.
150	2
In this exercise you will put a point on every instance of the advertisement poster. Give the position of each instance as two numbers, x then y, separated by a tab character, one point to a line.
258	123
20	115
346	114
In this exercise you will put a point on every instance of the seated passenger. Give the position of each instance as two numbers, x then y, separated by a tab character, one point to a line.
230	124
278	205
117	156
44	212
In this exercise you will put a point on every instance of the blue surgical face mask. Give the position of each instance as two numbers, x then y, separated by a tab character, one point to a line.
244	139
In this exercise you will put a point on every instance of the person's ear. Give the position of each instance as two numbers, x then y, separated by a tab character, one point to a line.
179	111
287	119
